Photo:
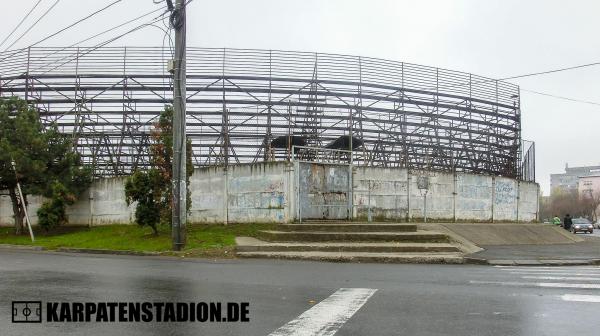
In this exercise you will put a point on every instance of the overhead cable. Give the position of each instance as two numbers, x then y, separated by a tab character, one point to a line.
76	22
20	23
33	25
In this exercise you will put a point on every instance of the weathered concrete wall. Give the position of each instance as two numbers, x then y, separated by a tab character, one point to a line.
383	190
439	198
108	205
208	206
394	194
104	203
505	199
528	201
267	192
241	194
6	210
474	197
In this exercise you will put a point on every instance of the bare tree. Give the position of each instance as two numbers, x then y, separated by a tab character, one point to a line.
590	204
572	202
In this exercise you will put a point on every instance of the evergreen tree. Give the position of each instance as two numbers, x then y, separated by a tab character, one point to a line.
44	160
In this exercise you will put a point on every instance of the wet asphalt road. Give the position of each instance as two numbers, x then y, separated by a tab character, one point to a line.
410	299
596	232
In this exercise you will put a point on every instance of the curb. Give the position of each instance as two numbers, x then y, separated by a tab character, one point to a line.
532	262
21	247
8	247
104	251
475	261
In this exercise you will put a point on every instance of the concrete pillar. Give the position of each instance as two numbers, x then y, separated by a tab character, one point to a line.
350	194
91	200
454	195
225	196
290	198
518	198
493	196
408	182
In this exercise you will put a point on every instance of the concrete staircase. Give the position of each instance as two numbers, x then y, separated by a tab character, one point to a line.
351	242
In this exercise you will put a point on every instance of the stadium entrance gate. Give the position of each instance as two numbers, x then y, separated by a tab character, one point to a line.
323	183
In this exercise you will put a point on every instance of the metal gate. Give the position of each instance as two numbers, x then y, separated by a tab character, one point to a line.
324	189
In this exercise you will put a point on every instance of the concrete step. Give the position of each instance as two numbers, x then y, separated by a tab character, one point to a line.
315	236
248	244
405	258
350	227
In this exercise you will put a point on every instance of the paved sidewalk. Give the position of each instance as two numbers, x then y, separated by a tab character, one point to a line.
585	252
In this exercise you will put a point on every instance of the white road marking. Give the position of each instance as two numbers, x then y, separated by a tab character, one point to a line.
570	275
538	284
581	298
328	316
561	278
549	267
551	270
558	273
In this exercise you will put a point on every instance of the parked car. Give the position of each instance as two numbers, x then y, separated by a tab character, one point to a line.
582	225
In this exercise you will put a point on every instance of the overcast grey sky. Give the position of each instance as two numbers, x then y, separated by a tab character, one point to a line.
497	38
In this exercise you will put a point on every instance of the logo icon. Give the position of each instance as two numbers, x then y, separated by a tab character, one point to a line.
27	311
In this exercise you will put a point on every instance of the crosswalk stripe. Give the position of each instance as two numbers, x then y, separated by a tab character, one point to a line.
581	298
538	284
561	278
571	277
326	317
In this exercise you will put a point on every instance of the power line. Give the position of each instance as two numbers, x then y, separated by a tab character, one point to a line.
34	24
20	23
116	27
76	22
531	75
552	71
561	97
167	34
519	76
102	44
92	37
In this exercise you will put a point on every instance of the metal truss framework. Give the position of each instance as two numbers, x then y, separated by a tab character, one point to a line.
406	115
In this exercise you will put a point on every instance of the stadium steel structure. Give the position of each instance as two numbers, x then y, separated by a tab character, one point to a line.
253	105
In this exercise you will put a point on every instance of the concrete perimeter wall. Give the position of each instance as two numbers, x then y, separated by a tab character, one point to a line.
459	197
104	203
243	193
267	192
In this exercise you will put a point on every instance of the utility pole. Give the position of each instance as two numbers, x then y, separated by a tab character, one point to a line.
179	219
